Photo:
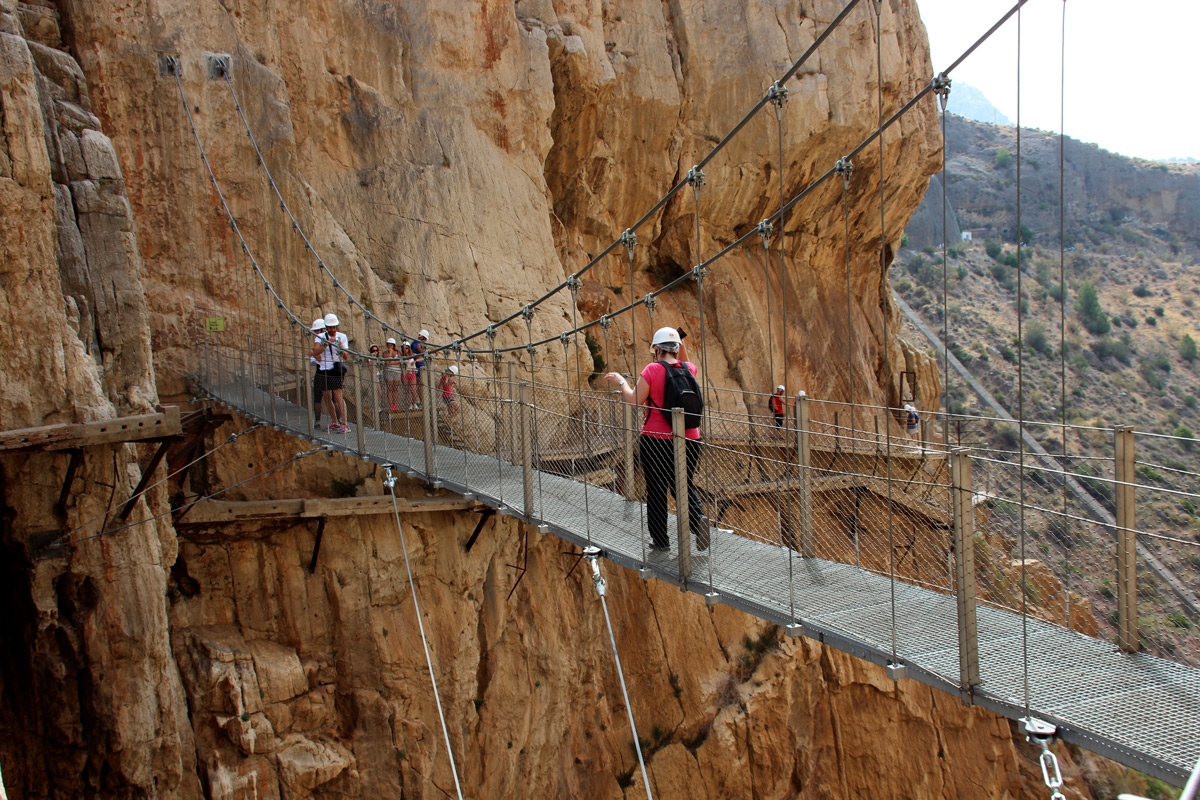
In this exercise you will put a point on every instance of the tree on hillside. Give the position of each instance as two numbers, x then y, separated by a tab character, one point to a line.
1087	308
1187	348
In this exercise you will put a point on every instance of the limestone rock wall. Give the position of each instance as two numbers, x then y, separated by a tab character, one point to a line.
448	162
92	700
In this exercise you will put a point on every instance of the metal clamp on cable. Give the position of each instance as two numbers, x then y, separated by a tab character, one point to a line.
389	480
1042	733
594	555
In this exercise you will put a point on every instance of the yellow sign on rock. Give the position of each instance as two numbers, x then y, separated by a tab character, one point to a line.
214	324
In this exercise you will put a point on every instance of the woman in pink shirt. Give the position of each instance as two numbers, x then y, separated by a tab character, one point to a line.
657	448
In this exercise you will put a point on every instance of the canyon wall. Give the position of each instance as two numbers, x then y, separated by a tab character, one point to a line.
448	163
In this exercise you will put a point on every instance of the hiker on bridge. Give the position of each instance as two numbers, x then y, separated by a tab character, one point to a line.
446	384
331	350
418	351
318	383
669	381
777	405
912	420
394	373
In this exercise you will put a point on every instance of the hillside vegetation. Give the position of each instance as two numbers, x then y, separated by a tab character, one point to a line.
1109	312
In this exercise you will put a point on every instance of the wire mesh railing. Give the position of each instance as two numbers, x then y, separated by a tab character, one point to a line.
845	485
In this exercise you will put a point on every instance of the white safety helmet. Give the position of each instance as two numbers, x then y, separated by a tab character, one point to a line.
318	324
423	334
779	388
331	320
453	370
391	340
908	407
666	339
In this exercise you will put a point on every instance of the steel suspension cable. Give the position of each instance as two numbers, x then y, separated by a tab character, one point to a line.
587	516
390	483
775	216
942	90
1062	290
778	97
593	554
696	178
351	300
884	302
1021	401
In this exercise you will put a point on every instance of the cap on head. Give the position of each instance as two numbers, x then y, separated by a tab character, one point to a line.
391	340
666	339
909	407
779	388
331	320
453	370
423	334
318	324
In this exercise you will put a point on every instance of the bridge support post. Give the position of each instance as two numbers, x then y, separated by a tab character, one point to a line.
962	496
629	435
808	544
356	370
526	433
1127	625
428	420
682	523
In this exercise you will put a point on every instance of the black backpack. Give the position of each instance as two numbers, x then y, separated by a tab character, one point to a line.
681	391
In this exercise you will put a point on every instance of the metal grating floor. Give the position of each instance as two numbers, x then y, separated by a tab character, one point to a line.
1138	709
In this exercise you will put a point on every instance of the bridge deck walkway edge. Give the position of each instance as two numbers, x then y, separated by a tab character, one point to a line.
1138	709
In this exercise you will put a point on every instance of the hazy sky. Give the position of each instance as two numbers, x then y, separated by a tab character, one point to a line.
1131	67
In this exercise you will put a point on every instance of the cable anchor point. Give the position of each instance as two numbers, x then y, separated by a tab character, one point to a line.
765	231
574	284
527	313
605	323
565	339
629	241
699	272
650	302
1042	733
777	95
845	168
594	554
695	178
389	479
941	87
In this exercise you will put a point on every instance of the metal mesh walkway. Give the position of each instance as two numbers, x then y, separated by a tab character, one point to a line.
1136	708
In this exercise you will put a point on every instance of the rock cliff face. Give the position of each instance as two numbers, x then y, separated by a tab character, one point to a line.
449	163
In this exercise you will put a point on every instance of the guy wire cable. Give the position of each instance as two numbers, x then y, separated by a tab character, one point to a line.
390	482
943	94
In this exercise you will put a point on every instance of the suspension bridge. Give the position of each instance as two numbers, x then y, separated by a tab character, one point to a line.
909	552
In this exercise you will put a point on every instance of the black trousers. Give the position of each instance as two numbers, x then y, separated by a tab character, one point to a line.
658	465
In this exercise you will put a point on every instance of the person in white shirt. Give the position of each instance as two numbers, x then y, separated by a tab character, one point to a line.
331	350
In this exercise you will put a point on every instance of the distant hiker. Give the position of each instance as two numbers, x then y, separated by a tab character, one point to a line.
409	378
418	351
912	420
667	382
777	405
446	384
318	383
393	367
331	349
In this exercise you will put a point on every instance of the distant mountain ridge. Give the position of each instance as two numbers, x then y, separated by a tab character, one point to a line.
981	167
967	101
